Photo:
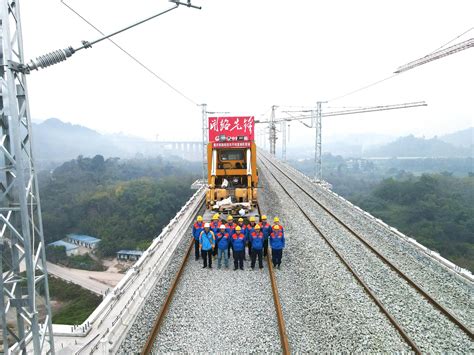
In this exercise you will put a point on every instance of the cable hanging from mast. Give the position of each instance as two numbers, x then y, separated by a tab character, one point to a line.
131	56
61	55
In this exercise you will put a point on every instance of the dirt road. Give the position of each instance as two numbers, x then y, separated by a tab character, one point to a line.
96	281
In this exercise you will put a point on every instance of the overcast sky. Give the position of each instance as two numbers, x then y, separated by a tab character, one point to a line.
244	56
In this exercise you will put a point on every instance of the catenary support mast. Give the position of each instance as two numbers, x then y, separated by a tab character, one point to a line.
24	281
272	134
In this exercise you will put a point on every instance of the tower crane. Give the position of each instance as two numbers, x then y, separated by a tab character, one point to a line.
436	55
316	123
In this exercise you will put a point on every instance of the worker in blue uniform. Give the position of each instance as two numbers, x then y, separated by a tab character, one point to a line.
238	244
243	230
266	229
230	230
215	224
249	230
256	239
277	243
276	222
198	227
223	241
206	245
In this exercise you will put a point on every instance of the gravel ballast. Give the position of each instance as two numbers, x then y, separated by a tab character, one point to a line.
450	290
430	330
324	307
141	327
221	310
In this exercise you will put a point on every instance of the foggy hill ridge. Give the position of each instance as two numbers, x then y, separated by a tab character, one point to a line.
464	138
58	141
55	140
411	146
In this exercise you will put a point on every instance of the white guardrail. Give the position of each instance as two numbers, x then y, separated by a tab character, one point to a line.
453	268
111	341
104	330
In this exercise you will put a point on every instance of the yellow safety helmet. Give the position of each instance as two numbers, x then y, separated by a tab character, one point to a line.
252	219
241	219
199	218
230	218
264	218
216	216
257	226
238	228
276	219
276	227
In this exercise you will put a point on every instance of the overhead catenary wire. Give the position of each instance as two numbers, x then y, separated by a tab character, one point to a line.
362	88
131	56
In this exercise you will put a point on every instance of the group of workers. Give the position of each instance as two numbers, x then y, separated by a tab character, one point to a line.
216	238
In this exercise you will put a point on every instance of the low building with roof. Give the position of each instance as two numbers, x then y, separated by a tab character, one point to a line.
129	254
71	249
83	240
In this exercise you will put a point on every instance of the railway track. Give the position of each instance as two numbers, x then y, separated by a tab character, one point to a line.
161	339
313	210
453	291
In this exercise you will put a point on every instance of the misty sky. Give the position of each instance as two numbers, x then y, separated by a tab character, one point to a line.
244	56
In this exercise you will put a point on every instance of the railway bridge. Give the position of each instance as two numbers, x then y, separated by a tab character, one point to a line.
348	282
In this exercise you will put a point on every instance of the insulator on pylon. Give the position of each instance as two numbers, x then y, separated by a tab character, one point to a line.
50	58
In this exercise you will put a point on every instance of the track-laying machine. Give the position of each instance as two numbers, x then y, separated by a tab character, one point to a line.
232	167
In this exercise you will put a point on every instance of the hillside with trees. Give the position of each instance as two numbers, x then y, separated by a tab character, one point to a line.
124	203
436	208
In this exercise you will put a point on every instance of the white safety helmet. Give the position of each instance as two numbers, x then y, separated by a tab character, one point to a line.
222	226
207	225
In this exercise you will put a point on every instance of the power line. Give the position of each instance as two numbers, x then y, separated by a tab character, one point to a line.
362	88
136	60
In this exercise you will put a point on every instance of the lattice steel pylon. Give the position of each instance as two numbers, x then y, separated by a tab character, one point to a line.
272	134
24	283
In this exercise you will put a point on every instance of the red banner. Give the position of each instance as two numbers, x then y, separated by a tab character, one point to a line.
231	129
231	144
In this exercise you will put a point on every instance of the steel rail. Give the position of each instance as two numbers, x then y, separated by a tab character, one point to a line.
285	346
366	288
150	342
418	288
147	349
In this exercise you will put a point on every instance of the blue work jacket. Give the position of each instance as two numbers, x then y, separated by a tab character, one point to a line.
277	240
238	242
223	240
266	229
198	227
207	240
282	230
256	238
